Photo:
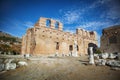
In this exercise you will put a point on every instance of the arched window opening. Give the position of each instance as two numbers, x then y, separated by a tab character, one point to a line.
71	48
57	45
48	22
77	48
56	25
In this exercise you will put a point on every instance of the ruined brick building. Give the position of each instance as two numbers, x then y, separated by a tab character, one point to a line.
44	39
110	39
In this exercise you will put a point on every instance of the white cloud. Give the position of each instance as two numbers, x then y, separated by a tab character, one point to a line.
70	16
105	19
113	8
56	19
71	31
99	3
28	24
13	24
19	24
114	11
94	25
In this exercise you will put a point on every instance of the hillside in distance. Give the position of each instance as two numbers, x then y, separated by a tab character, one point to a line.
9	44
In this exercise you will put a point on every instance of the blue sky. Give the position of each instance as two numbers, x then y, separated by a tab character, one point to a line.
18	15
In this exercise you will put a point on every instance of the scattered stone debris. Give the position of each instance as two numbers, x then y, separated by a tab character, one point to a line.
26	56
10	64
100	62
118	56
108	59
112	56
1	61
8	60
22	63
105	55
1	67
113	63
96	56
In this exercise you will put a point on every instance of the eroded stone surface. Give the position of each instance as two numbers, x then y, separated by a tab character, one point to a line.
104	55
2	66
112	56
44	39
113	63
101	62
119	56
12	66
110	40
22	63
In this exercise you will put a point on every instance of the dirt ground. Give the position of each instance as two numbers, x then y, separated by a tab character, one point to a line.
64	68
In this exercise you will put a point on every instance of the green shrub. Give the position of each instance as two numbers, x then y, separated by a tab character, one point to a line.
98	51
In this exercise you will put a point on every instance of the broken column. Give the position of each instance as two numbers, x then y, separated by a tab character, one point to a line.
75	48
91	56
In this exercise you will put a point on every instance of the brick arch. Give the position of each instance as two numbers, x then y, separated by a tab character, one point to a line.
51	23
94	47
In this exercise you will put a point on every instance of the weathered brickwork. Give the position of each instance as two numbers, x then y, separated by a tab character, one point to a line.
110	39
44	40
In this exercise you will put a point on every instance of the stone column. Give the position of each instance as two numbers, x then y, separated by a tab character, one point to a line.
91	56
75	48
60	26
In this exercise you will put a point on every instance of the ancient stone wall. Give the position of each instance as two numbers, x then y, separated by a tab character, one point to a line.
110	39
44	39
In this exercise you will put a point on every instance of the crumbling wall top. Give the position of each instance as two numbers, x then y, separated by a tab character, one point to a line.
48	22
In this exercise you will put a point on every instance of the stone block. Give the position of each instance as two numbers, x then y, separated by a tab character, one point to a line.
104	55
2	67
112	56
22	63
113	63
101	62
12	66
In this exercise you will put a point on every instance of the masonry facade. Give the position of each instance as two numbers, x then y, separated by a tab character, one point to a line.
110	39
48	38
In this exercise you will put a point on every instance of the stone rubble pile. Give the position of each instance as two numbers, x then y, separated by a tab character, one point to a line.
10	64
109	59
100	62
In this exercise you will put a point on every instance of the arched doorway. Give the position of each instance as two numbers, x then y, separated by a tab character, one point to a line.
94	47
